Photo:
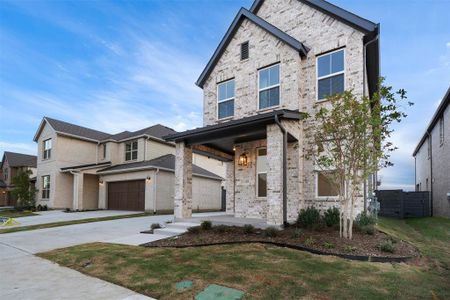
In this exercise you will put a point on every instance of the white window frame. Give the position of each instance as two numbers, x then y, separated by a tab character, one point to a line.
47	153
257	173
441	131
270	87
329	75
46	189
132	150
225	100
317	186
6	173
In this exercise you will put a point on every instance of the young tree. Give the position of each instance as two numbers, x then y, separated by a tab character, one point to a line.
23	190
349	138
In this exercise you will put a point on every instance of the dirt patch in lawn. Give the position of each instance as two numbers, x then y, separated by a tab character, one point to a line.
326	240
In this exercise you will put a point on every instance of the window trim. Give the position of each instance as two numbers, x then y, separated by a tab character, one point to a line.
329	75
46	189
269	87
257	173
49	151
225	100
131	151
316	186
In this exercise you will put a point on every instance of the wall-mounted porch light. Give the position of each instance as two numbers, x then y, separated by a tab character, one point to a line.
100	182
243	160
148	179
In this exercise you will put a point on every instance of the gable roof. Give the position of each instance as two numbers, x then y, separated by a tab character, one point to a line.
241	15
156	131
166	162
19	160
334	11
437	115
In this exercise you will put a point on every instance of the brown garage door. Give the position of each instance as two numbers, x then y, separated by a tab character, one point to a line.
126	195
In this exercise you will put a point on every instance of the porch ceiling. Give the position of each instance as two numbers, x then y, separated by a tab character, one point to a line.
223	136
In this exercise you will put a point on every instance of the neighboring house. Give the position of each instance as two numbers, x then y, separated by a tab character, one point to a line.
11	164
81	168
277	61
432	160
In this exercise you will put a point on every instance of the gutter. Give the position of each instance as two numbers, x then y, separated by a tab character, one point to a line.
283	130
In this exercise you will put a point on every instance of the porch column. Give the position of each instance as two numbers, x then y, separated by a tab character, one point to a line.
78	179
229	186
183	181
274	175
101	194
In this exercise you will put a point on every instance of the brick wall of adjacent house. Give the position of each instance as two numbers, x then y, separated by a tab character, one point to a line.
321	33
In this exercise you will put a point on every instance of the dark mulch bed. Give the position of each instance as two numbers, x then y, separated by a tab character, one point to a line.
324	240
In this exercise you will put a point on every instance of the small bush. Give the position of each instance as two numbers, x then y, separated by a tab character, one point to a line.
392	239
387	246
206	225
248	229
271	232
309	241
368	229
328	245
349	248
364	219
296	233
308	218
194	229
155	226
331	216
67	210
221	228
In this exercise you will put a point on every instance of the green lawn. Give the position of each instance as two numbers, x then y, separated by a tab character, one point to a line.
16	213
72	222
269	272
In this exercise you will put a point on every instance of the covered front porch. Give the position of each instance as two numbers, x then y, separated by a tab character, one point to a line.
263	162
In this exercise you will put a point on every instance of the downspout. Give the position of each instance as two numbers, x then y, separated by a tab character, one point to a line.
283	130
154	190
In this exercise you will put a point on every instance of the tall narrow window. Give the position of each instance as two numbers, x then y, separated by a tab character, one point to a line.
225	99
441	130
131	150
330	74
269	86
104	151
325	186
261	172
6	173
46	187
47	149
244	50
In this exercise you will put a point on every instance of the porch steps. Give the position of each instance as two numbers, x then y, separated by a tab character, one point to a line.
174	229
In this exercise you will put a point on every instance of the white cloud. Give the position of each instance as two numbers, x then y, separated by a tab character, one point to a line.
448	45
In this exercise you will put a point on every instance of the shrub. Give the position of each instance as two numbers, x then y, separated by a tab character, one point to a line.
221	228
206	225
309	241
368	229
364	219
296	233
155	226
349	248
308	218
271	232
248	229
328	245
194	229
331	216
387	246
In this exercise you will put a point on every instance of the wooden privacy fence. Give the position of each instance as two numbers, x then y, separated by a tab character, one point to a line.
400	204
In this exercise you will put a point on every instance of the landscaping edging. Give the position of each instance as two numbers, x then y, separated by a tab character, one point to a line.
383	259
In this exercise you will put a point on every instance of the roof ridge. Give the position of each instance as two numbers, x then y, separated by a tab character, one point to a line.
84	127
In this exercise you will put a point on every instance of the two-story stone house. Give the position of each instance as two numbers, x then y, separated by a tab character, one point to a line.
82	168
277	61
432	160
12	163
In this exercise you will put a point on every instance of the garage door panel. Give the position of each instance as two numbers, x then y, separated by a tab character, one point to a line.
126	195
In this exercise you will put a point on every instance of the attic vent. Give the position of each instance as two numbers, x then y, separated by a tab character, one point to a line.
244	50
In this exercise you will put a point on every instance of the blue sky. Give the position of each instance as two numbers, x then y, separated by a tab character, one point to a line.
124	65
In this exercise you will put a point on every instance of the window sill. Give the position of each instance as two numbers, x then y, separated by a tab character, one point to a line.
263	110
225	119
326	198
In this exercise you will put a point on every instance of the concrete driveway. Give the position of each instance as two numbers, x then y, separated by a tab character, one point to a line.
25	276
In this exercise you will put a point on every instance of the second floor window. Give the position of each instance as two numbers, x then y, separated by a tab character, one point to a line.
330	74
5	173
46	187
104	150
269	86
225	99
47	152
131	150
